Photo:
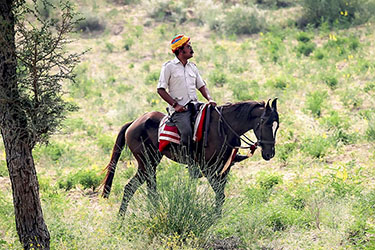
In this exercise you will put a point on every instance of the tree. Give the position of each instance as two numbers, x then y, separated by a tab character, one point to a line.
33	65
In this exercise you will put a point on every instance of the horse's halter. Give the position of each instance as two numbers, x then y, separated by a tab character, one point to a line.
263	122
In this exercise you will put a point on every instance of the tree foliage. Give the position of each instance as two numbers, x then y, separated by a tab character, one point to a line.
43	64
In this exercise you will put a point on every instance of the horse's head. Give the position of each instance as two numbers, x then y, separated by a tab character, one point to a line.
266	129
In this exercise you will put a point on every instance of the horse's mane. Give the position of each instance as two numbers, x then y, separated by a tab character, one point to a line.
241	108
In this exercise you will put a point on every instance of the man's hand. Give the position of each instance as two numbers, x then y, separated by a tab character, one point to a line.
179	108
212	102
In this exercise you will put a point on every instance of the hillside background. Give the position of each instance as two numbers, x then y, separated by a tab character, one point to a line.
318	192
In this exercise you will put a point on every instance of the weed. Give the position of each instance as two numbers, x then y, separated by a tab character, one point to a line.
86	178
3	168
340	13
285	151
305	48
268	181
105	142
331	81
315	101
218	77
271	47
352	98
316	146
243	20
244	91
90	23
152	78
128	43
182	208
370	131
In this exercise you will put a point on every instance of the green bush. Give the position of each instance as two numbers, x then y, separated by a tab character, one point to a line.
168	10
268	181
370	131
86	178
243	90
3	168
337	12
305	48
271	47
303	37
90	23
218	77
331	81
285	151
243	20
317	146
315	102
338	125
105	142
183	208
152	78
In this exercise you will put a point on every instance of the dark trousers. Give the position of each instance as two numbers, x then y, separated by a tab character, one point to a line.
183	123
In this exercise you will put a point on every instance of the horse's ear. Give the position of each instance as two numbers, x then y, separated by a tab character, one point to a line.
268	107
274	102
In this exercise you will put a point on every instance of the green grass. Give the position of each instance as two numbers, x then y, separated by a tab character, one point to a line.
318	191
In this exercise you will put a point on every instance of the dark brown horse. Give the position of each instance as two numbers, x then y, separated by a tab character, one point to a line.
227	124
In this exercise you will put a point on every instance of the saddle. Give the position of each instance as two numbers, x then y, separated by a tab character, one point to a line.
168	131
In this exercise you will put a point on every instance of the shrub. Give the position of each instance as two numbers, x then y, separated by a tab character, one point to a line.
152	78
105	142
271	47
337	12
316	146
243	20
183	208
303	37
218	77
90	23
352	98
86	178
331	81
268	181
278	83
370	131
284	151
315	101
305	48
338	125
3	169
168	10
243	90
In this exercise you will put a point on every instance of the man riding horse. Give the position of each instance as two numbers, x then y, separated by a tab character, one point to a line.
182	78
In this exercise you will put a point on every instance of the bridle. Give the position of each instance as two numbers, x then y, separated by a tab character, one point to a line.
250	143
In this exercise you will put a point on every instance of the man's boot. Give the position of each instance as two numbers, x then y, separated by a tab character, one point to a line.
239	158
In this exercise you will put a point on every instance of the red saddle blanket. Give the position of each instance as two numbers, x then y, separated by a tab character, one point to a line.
168	134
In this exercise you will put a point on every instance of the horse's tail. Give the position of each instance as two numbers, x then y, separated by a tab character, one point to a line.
111	167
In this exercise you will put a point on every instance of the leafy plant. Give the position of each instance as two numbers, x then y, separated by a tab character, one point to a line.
317	146
336	12
315	101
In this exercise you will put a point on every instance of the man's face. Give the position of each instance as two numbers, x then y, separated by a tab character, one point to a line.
187	51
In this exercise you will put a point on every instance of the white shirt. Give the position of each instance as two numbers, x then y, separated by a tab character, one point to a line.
180	81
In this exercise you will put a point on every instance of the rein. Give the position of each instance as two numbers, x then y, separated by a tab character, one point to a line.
251	144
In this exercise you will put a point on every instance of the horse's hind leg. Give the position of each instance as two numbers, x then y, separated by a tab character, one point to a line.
130	189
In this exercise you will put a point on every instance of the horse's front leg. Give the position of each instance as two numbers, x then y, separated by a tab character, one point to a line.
218	184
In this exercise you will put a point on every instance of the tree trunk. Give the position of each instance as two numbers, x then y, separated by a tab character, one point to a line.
32	230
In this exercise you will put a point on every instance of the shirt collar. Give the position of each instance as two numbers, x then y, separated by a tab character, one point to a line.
176	61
